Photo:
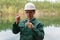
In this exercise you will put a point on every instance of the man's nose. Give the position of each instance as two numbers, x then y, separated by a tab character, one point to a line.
28	13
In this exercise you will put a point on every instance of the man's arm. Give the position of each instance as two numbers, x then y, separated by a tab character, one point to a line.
16	28
38	31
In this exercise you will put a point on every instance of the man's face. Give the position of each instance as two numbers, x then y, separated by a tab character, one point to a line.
29	13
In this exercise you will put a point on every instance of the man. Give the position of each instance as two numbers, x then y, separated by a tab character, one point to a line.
30	28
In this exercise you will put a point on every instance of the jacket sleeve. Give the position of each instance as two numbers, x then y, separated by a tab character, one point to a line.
39	31
16	28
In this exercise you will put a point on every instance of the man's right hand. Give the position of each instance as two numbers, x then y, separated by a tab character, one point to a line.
17	19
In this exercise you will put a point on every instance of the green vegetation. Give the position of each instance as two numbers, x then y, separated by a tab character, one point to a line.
48	13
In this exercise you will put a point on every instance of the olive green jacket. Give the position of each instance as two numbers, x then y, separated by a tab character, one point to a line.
27	33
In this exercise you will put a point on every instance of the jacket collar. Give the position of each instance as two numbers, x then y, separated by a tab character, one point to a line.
31	19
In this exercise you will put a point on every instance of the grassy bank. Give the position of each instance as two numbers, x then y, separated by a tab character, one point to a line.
46	12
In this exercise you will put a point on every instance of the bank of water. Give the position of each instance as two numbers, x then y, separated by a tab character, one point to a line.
51	33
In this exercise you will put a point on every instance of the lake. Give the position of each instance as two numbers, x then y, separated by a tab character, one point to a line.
51	33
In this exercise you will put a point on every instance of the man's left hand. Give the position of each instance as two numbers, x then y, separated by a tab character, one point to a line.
29	24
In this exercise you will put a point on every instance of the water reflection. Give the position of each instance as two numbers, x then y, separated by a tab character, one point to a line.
51	33
8	35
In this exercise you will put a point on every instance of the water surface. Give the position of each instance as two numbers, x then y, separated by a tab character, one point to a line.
51	33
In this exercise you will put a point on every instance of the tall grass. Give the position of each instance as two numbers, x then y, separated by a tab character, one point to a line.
48	13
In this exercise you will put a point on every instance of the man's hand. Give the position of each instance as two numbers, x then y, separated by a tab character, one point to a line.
17	19
29	24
